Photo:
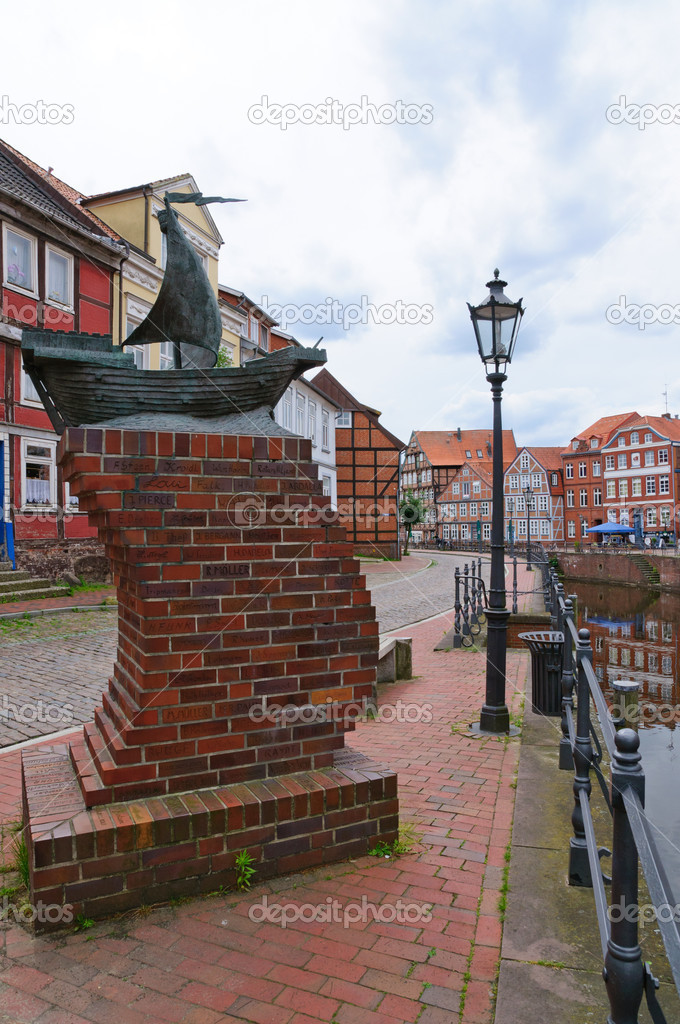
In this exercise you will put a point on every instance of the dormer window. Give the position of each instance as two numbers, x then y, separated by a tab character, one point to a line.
621	441
574	445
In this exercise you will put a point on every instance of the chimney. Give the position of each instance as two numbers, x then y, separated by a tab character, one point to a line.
459	435
666	416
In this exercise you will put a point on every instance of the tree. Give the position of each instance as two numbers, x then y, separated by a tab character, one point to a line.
411	513
223	357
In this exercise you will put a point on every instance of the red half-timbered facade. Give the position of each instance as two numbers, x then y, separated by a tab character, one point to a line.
57	265
367	459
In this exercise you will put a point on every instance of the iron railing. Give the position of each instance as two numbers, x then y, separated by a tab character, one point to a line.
469	604
627	976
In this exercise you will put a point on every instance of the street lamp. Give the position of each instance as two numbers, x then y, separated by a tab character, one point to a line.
496	323
528	494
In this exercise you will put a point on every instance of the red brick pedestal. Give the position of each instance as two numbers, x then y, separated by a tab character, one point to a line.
245	629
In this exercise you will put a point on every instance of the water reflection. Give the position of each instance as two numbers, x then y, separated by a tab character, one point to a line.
634	634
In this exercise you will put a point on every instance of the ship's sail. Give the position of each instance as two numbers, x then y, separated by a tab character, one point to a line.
185	311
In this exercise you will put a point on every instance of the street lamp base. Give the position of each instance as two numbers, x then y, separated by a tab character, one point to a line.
477	730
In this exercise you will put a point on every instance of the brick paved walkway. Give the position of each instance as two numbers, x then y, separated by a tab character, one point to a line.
208	962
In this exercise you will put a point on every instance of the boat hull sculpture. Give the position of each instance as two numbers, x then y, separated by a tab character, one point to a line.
76	390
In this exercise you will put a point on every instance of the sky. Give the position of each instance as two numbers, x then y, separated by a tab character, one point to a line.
471	136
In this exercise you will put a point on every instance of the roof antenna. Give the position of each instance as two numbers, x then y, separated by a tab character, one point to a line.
665	395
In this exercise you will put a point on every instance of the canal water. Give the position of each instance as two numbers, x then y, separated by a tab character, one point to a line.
635	635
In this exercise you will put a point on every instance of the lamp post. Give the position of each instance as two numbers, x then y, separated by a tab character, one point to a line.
528	494
496	322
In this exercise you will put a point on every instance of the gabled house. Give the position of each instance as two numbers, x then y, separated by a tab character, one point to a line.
541	514
367	456
641	462
434	460
466	505
583	477
58	269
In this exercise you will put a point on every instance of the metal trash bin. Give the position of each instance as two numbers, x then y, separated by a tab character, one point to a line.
546	668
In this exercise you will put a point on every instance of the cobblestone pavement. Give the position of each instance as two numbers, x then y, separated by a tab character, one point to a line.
53	669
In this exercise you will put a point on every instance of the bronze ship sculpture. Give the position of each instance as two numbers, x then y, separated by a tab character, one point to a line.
86	379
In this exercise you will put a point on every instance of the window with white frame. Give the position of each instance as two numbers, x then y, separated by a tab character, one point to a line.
553	479
650	485
648	438
311	422
651	515
583	497
454	532
466	490
520	503
29	395
344	418
667	632
513	481
59	277
39	473
485	508
468	454
456	488
445	531
20	260
584	527
571	529
666	664
624	517
597	468
473	509
664	485
569	470
625	656
649	458
593	442
623	488
639	659
167	355
662	456
325	430
609	462
524	461
522	527
597	495
574	445
543	503
611	515
621	441
653	629
536	481
570	499
635	437
622	461
583	469
464	532
652	662
480	453
611	488
665	516
534	528
288	409
71	503
476	487
486	531
326	482
299	413
463	510
637	486
545	528
453	509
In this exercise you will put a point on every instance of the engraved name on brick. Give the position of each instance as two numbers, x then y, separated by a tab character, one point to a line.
225	571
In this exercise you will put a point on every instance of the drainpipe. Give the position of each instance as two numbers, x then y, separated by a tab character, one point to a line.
120	292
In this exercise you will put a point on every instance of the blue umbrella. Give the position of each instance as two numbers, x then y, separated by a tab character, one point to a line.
611	528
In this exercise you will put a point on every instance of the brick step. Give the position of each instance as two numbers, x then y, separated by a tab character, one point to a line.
19	585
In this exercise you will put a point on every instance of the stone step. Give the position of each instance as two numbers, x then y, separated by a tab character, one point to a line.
30	583
34	594
13	574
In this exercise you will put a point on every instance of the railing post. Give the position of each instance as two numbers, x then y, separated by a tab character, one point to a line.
579	865
457	636
466	602
480	603
623	971
514	586
566	755
473	593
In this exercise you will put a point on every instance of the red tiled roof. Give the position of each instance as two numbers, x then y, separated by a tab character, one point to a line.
550	457
443	448
602	428
665	426
67	192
